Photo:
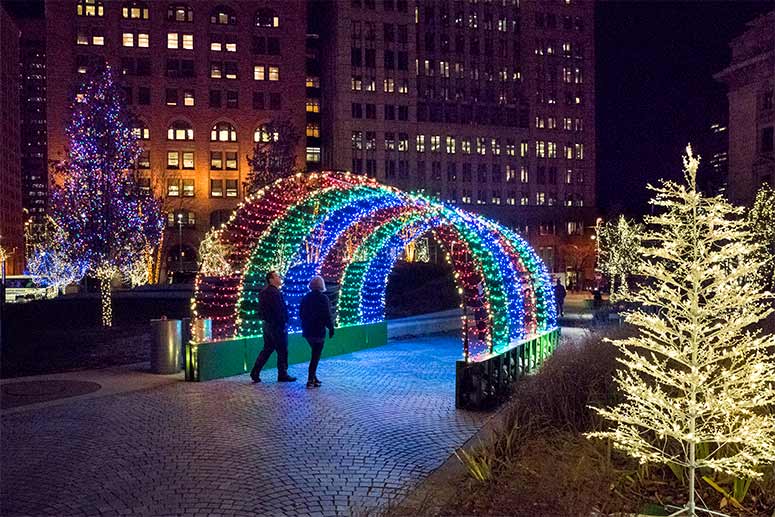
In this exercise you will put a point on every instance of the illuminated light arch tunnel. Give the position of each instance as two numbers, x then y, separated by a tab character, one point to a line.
352	230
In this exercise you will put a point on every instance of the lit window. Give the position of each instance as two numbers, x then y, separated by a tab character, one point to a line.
523	148
313	129
450	144
274	73
435	143
231	160
313	106
465	146
180	13
389	85
173	187
142	40
216	160
313	154
223	16
216	188
188	97
141	131
180	130
231	46
259	72
262	134
267	18
216	46
188	41
188	160
135	11
188	188
82	39
97	39
420	143
90	8
172	40
313	82
231	188
223	132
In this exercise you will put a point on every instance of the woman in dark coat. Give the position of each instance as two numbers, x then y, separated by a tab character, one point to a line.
315	313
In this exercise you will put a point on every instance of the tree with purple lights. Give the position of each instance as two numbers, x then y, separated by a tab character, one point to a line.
96	199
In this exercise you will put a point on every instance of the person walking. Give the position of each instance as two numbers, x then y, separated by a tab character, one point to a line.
559	297
274	312
315	313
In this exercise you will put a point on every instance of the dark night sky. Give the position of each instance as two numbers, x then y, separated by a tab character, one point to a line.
655	89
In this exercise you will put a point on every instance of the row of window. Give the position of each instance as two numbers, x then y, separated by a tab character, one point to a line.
446	70
185	187
217	98
368	83
496	173
367	31
220	15
477	145
183	130
180	41
184	160
390	111
572	98
550	21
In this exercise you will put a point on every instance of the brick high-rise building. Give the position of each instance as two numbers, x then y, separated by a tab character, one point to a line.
486	104
34	158
750	78
203	78
11	228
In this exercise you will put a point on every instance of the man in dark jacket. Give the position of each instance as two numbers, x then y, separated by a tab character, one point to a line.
315	313
271	307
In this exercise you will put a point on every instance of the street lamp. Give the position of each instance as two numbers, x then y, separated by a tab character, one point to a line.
180	243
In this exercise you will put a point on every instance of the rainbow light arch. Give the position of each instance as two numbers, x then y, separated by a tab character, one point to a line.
352	229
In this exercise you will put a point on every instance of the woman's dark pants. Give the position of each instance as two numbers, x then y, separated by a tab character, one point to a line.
316	344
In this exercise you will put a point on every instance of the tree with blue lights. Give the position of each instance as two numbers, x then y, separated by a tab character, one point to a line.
95	198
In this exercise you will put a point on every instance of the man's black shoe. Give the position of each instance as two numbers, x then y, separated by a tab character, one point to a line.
256	380
286	378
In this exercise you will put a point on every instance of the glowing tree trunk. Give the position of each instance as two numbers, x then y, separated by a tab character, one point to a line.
698	372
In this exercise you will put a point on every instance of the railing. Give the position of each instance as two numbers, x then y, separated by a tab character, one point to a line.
486	383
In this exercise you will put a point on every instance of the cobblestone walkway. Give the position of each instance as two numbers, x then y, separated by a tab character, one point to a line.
383	420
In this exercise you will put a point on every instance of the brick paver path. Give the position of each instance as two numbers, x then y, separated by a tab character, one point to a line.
383	420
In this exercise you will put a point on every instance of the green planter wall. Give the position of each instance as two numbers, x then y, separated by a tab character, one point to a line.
228	357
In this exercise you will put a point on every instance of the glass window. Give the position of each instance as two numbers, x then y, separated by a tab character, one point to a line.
173	160
223	132
274	73
188	159
173	188
259	72
222	15
216	188
188	97
188	188
216	160
90	8
188	41
267	18
180	130
172	40
135	11
180	13
142	40
231	188
231	160
127	39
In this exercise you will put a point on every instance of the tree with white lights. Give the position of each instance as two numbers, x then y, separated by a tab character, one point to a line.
96	199
617	252
762	220
49	262
213	255
698	374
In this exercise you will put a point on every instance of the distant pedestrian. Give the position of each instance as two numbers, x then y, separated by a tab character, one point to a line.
315	313
274	312
559	297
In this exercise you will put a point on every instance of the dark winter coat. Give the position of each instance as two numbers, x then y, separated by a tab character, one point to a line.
559	293
315	313
272	308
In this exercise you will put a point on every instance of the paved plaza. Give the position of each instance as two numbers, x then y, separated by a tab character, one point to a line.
383	420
